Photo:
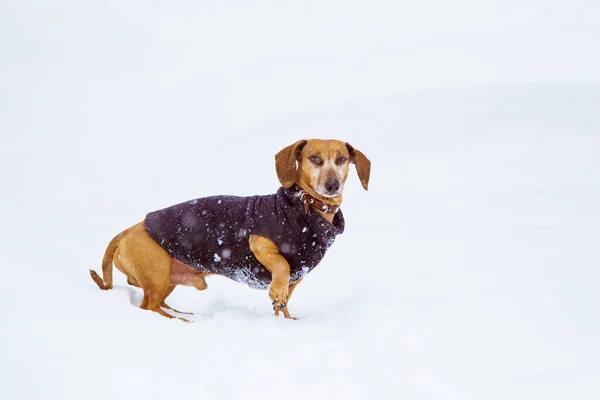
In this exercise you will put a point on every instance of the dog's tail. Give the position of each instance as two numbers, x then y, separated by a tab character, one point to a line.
107	264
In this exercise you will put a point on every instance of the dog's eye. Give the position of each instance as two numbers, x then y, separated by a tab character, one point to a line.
315	160
341	160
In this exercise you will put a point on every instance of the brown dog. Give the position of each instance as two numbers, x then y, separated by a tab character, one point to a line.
158	253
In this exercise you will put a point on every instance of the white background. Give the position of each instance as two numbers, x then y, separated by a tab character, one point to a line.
468	271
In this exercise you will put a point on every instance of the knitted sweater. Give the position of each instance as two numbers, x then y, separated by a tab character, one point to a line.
211	234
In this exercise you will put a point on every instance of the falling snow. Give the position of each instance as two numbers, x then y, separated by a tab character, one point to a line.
226	253
469	269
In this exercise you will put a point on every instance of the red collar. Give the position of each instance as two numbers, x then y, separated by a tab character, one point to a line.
318	205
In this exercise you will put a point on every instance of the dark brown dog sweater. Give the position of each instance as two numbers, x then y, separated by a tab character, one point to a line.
211	234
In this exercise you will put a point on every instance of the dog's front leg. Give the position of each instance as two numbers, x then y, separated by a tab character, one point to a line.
284	309
267	253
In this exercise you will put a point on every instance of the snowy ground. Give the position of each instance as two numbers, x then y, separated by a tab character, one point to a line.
468	271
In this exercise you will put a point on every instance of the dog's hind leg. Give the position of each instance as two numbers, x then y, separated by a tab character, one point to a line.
121	267
148	265
157	288
155	291
144	304
167	293
168	307
154	302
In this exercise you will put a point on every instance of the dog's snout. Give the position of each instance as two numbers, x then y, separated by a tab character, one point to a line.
332	185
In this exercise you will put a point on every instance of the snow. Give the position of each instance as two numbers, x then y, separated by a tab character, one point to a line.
226	253
468	271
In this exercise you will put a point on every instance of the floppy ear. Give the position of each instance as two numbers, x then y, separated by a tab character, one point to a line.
286	163
363	165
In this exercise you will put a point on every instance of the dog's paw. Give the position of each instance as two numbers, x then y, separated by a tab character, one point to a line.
285	311
279	292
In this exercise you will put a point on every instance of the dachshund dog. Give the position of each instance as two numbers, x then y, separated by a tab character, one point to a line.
267	242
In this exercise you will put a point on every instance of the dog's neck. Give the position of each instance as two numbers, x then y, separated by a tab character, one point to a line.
325	207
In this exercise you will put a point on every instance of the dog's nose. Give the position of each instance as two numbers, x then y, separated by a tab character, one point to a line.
332	185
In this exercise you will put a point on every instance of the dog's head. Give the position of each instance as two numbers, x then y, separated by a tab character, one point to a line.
320	166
